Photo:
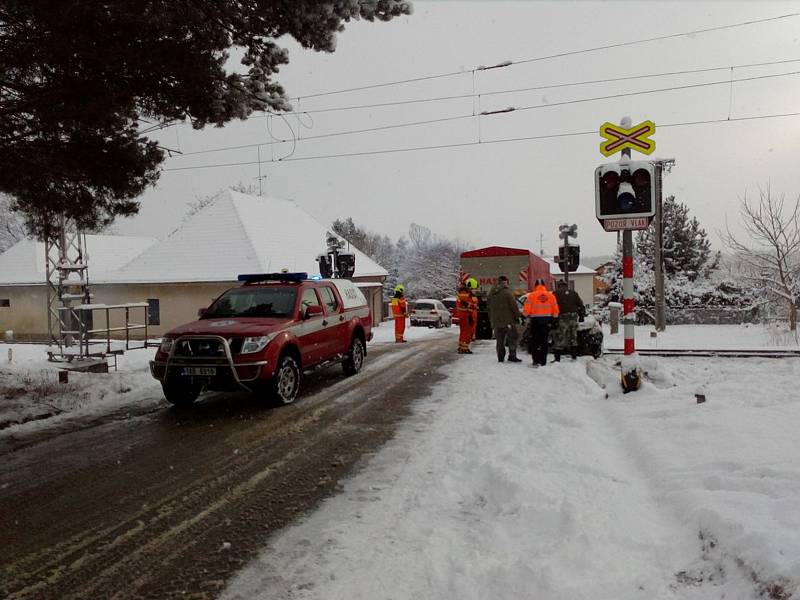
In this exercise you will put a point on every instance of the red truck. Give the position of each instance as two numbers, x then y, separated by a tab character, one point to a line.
262	335
522	267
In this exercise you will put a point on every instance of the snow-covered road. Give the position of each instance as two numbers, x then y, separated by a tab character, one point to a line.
514	483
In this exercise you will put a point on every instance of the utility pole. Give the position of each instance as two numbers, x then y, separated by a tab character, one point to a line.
541	244
661	165
658	226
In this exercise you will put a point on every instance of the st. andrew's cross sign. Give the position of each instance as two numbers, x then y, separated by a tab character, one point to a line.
619	138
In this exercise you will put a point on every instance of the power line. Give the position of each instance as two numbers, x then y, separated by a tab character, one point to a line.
540	87
658	90
335	134
552	56
484	142
487	113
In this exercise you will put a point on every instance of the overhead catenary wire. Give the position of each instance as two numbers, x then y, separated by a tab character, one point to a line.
538	87
510	63
471	115
520	61
485	142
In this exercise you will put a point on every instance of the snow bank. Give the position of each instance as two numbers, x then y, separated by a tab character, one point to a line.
32	398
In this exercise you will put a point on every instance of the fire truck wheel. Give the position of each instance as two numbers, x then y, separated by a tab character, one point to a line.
180	395
355	358
285	385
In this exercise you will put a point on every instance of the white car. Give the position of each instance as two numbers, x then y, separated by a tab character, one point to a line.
430	312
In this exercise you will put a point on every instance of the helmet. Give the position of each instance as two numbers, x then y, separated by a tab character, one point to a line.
472	283
400	288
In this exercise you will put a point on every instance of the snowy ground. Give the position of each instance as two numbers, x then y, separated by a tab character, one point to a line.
707	337
511	482
31	398
384	334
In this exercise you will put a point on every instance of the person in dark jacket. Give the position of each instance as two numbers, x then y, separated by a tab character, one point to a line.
571	310
503	315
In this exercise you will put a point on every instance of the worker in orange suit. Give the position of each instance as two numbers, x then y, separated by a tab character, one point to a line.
474	286
399	313
467	311
541	310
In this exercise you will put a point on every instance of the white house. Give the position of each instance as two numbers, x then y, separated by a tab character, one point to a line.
237	233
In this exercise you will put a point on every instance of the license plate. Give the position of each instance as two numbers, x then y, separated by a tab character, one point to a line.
200	371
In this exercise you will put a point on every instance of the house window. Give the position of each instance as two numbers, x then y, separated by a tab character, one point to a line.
5	302
153	312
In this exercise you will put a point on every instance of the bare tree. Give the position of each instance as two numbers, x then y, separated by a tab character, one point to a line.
429	267
11	228
771	259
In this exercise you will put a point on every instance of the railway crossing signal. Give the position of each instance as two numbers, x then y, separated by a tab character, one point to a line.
625	194
568	259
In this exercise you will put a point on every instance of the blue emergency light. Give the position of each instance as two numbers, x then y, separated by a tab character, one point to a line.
256	277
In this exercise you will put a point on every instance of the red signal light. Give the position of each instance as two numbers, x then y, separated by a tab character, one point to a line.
641	178
610	180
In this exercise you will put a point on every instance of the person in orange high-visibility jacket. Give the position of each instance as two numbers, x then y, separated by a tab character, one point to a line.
541	309
399	313
467	311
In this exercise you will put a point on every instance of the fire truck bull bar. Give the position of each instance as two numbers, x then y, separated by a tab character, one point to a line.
182	361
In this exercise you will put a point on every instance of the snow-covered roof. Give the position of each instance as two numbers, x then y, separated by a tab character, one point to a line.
554	270
239	233
24	262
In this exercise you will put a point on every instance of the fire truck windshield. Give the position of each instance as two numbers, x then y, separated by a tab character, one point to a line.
254	302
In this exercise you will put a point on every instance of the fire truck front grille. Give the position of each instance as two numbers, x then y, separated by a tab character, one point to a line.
199	348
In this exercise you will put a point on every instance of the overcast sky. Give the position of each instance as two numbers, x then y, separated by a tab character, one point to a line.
511	193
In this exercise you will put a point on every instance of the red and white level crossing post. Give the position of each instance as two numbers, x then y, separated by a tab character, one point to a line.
625	200
628	301
631	373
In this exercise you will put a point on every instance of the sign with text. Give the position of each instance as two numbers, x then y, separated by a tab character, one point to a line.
618	138
632	223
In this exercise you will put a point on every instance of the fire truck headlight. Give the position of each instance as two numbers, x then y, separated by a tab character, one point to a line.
256	344
166	345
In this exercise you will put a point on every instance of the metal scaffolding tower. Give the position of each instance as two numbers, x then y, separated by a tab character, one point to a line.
67	288
70	312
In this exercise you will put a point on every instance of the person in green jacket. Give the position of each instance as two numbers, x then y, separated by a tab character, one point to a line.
504	315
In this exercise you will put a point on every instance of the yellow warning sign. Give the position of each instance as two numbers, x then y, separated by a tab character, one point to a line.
636	138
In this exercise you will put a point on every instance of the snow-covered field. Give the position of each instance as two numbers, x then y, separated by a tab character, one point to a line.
511	482
708	337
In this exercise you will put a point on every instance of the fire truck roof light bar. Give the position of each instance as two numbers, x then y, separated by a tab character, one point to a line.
256	277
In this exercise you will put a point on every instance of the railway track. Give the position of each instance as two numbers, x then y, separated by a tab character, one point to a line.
729	353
